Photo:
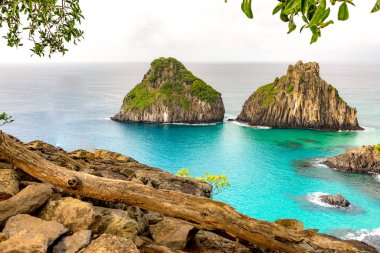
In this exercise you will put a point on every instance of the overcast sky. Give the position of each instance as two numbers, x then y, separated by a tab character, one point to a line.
209	30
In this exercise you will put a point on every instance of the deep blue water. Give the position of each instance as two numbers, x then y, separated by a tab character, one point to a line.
270	169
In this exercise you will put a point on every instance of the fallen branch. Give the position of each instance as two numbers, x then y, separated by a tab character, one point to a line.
204	213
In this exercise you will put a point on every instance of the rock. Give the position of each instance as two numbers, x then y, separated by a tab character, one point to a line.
26	201
210	242
105	154
111	244
146	245
172	233
79	215
115	222
153	217
76	215
337	200
8	183
31	226
169	93
24	242
167	181
365	159
3	237
73	243
300	99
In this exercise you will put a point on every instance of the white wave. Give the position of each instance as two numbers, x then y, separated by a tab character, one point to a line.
369	129
315	198
365	130
190	124
247	125
369	236
106	118
377	177
318	162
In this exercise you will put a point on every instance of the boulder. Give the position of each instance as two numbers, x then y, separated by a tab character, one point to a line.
169	93
172	233
73	243
79	215
8	183
26	201
337	200
25	242
30	227
111	244
73	213
299	99
148	246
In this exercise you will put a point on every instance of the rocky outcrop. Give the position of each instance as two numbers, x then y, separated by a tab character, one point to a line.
337	200
169	93
300	99
365	159
65	222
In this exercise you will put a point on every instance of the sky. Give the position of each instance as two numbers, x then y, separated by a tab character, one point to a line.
209	31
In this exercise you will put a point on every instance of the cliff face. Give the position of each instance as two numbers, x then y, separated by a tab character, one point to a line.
169	93
300	99
365	159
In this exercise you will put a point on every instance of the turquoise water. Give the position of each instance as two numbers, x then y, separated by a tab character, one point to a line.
272	171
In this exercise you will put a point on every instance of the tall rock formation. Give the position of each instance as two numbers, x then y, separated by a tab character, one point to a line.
300	99
169	93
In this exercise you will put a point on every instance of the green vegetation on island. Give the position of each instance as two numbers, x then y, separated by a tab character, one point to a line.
174	93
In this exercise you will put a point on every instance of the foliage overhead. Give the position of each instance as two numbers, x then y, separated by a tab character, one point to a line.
218	182
5	119
50	24
314	13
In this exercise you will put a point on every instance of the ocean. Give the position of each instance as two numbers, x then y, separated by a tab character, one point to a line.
274	173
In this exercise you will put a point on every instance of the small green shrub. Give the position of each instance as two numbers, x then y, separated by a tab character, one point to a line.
139	98
290	88
276	80
218	182
5	119
267	93
377	148
204	92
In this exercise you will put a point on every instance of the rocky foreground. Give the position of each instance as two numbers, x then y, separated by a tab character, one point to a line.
365	159
169	93
37	217
299	99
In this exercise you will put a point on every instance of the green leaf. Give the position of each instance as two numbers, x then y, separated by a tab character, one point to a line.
277	8
343	13
314	39
292	26
327	23
246	7
376	7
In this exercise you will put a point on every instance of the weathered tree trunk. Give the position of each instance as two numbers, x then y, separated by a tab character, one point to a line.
204	213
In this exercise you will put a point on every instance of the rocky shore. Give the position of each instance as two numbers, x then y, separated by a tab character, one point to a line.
169	93
299	99
38	217
365	159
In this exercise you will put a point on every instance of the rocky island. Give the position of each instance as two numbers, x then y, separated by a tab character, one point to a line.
365	159
41	212
299	99
169	93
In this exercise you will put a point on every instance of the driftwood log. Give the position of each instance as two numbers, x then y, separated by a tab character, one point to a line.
204	213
